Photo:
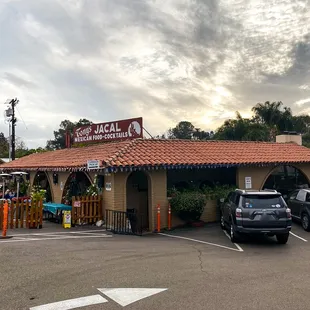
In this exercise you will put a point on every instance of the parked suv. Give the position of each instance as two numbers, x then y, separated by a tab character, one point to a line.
299	203
256	212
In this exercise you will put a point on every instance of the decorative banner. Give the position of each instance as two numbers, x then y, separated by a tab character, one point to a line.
117	130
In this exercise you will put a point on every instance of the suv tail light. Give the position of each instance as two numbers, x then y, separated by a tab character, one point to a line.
238	213
288	213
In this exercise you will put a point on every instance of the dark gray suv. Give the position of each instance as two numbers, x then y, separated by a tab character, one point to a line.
256	212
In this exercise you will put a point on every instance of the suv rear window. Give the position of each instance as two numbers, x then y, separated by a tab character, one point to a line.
262	201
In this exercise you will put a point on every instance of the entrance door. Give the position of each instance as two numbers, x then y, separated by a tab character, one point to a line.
138	198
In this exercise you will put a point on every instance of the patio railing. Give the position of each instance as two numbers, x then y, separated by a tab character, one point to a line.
86	209
127	223
23	214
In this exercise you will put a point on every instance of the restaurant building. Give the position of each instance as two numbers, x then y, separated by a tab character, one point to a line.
139	173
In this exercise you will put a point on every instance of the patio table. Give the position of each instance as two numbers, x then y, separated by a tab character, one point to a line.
55	209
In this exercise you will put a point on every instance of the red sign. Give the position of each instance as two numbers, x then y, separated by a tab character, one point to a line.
77	204
118	130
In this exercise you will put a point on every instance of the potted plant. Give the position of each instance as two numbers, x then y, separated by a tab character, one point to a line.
93	189
37	193
189	206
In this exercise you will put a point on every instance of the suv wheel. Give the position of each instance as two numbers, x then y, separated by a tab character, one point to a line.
305	222
282	239
222	222
234	236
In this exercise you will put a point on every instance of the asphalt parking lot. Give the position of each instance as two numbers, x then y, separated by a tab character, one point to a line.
201	268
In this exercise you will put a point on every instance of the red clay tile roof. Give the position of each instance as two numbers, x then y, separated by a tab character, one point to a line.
148	152
73	158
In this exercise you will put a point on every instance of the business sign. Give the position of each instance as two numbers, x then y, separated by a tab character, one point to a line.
248	182
66	222
108	186
118	130
93	164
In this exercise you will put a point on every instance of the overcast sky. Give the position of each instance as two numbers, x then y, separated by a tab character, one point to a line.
164	60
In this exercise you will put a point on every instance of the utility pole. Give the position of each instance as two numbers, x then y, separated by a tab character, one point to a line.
11	114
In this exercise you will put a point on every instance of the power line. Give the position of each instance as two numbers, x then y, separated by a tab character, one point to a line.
21	118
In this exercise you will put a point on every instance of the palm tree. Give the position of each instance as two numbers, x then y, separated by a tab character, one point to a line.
268	113
272	115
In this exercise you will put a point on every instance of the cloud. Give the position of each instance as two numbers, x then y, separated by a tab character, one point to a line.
165	60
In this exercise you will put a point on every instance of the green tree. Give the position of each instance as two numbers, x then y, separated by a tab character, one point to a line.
301	123
59	141
241	129
199	134
268	113
4	146
183	130
277	117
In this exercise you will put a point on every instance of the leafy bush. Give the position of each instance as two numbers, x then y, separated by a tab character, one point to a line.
218	191
37	193
93	190
24	187
188	205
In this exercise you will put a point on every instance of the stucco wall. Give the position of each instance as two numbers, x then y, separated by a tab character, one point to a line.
158	196
108	196
120	191
258	175
57	189
305	168
157	191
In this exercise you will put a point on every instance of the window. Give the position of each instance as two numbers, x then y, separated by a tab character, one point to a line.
293	195
237	199
308	197
262	202
301	196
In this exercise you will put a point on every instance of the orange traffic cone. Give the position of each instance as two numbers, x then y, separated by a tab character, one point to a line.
5	221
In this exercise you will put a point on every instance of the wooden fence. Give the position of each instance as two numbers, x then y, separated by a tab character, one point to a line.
86	209
23	214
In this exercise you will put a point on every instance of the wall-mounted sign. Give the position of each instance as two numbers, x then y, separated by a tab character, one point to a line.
77	204
248	182
108	186
118	130
93	164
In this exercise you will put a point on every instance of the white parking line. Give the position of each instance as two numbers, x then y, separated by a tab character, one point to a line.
59	232
54	238
236	244
73	303
298	237
204	242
